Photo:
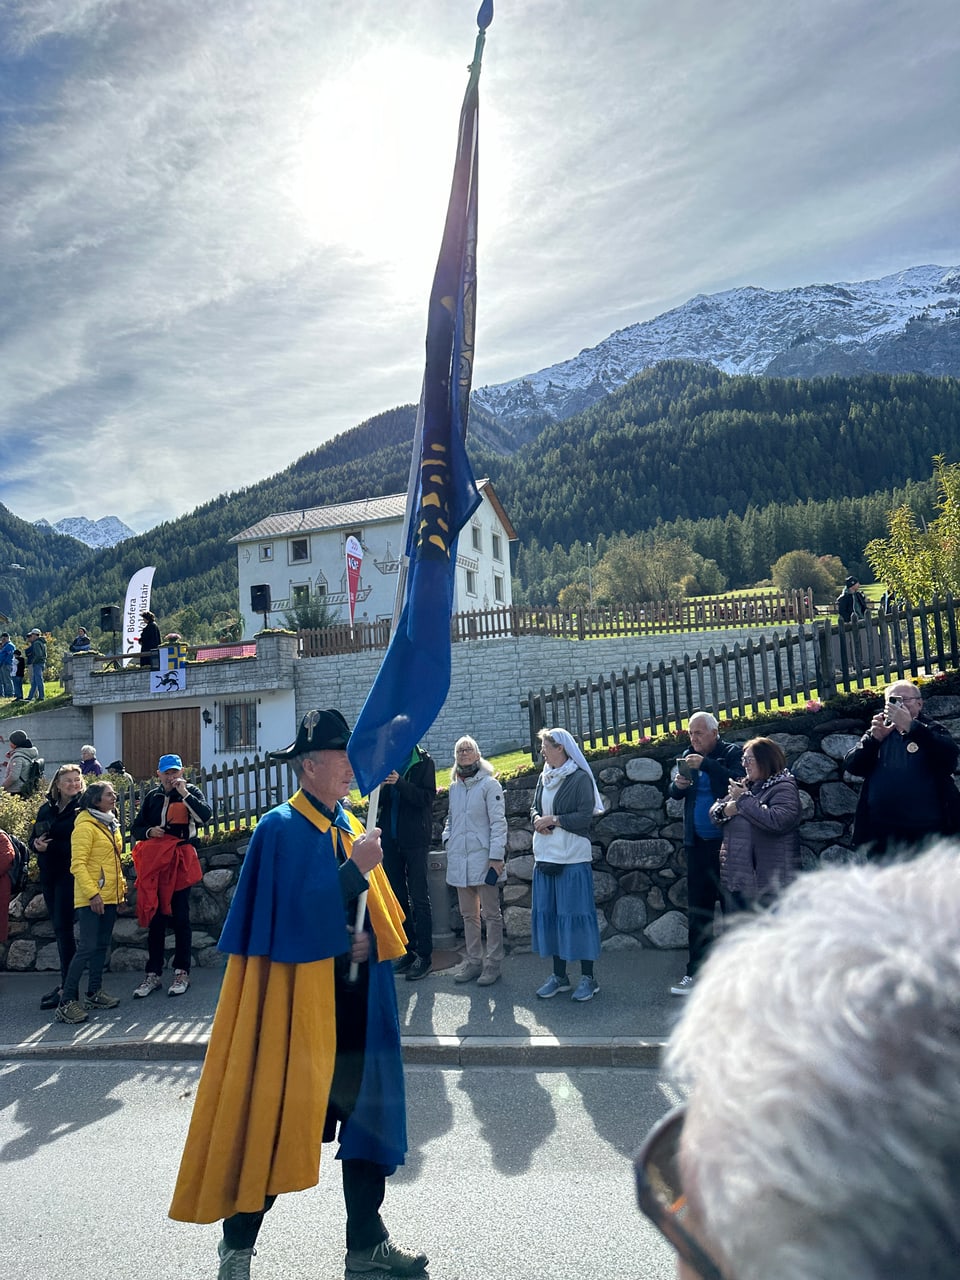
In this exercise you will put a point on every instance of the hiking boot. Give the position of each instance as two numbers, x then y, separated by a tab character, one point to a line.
385	1256
420	968
234	1263
100	1000
148	986
72	1012
587	988
553	986
180	983
51	999
490	975
404	963
683	987
467	971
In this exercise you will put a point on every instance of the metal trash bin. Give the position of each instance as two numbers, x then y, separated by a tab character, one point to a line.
444	938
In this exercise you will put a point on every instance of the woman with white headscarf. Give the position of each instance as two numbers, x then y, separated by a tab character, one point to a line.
564	916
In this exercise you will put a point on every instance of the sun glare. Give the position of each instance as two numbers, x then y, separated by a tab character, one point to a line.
375	158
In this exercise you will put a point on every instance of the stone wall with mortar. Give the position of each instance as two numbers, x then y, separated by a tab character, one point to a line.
638	863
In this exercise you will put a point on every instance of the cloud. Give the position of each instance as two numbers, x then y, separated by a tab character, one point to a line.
218	222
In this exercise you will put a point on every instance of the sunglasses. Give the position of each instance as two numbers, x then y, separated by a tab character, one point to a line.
656	1168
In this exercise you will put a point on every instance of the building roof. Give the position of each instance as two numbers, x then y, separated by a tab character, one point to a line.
341	515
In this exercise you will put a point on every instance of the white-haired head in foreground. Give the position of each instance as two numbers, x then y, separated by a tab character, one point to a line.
821	1048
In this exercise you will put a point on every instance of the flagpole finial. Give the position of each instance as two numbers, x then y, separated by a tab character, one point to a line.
485	15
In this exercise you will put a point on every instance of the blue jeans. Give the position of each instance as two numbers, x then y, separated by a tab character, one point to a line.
6	680
18	687
36	681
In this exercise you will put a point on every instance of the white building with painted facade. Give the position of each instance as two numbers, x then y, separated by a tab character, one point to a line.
300	556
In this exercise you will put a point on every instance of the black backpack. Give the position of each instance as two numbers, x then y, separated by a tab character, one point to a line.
34	779
19	866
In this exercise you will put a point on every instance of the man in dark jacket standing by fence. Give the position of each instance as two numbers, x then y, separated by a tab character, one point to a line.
708	765
406	827
907	762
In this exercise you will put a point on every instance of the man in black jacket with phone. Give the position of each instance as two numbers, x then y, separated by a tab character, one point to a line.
406	826
708	764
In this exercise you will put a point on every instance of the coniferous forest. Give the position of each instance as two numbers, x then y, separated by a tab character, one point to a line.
743	468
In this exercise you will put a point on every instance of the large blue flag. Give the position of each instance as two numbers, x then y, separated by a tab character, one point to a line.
414	677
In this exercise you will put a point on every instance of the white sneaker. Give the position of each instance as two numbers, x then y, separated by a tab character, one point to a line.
684	986
150	983
181	980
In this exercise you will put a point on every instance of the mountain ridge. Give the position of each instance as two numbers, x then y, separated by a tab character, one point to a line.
905	322
105	532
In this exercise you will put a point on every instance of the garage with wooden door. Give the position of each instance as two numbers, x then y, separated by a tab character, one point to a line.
147	735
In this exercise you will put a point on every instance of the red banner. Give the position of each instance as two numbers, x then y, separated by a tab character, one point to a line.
354	561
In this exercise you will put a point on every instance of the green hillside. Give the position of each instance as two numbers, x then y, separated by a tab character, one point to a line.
684	441
46	562
746	468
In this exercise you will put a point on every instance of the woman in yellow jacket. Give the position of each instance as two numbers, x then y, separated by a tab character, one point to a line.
99	887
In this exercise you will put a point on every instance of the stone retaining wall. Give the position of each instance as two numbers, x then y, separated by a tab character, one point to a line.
638	864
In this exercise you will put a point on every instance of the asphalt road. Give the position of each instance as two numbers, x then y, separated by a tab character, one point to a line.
512	1173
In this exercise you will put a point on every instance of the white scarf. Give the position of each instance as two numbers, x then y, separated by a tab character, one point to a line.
576	759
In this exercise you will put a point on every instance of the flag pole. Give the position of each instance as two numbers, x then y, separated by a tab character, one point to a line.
414	485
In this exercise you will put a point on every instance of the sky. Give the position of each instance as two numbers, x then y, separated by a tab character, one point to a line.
219	218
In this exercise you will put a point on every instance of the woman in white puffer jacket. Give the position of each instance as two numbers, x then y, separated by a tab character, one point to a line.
475	838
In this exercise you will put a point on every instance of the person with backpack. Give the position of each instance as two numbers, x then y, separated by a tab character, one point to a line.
36	659
25	770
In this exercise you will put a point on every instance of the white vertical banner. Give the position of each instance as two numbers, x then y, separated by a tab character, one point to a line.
137	599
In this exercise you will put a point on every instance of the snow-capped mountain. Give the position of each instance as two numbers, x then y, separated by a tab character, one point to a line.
907	322
106	532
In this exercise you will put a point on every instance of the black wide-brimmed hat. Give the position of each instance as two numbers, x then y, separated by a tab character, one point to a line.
319	731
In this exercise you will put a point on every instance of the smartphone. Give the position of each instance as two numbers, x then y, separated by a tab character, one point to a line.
684	767
492	876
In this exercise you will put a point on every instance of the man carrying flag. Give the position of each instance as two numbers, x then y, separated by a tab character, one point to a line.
299	1054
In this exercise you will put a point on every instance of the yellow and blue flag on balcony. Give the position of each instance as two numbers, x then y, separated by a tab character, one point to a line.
414	677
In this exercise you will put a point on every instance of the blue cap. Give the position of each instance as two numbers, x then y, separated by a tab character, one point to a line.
169	762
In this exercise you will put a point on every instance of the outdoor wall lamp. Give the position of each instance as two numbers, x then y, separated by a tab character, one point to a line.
207	717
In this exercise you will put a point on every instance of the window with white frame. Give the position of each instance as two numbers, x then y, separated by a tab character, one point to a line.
471	582
477	535
299	550
238	725
266	550
497	543
498	593
300	595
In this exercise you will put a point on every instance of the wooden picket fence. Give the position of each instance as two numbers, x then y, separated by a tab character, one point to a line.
767	674
239	794
762	608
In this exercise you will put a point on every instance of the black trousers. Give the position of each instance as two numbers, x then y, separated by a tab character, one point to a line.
703	894
407	872
364	1186
58	895
179	918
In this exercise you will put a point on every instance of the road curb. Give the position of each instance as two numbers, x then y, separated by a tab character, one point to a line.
455	1052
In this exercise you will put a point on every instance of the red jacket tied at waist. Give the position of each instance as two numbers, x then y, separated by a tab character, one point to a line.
164	865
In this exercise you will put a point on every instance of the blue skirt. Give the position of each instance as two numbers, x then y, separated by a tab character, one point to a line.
564	916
